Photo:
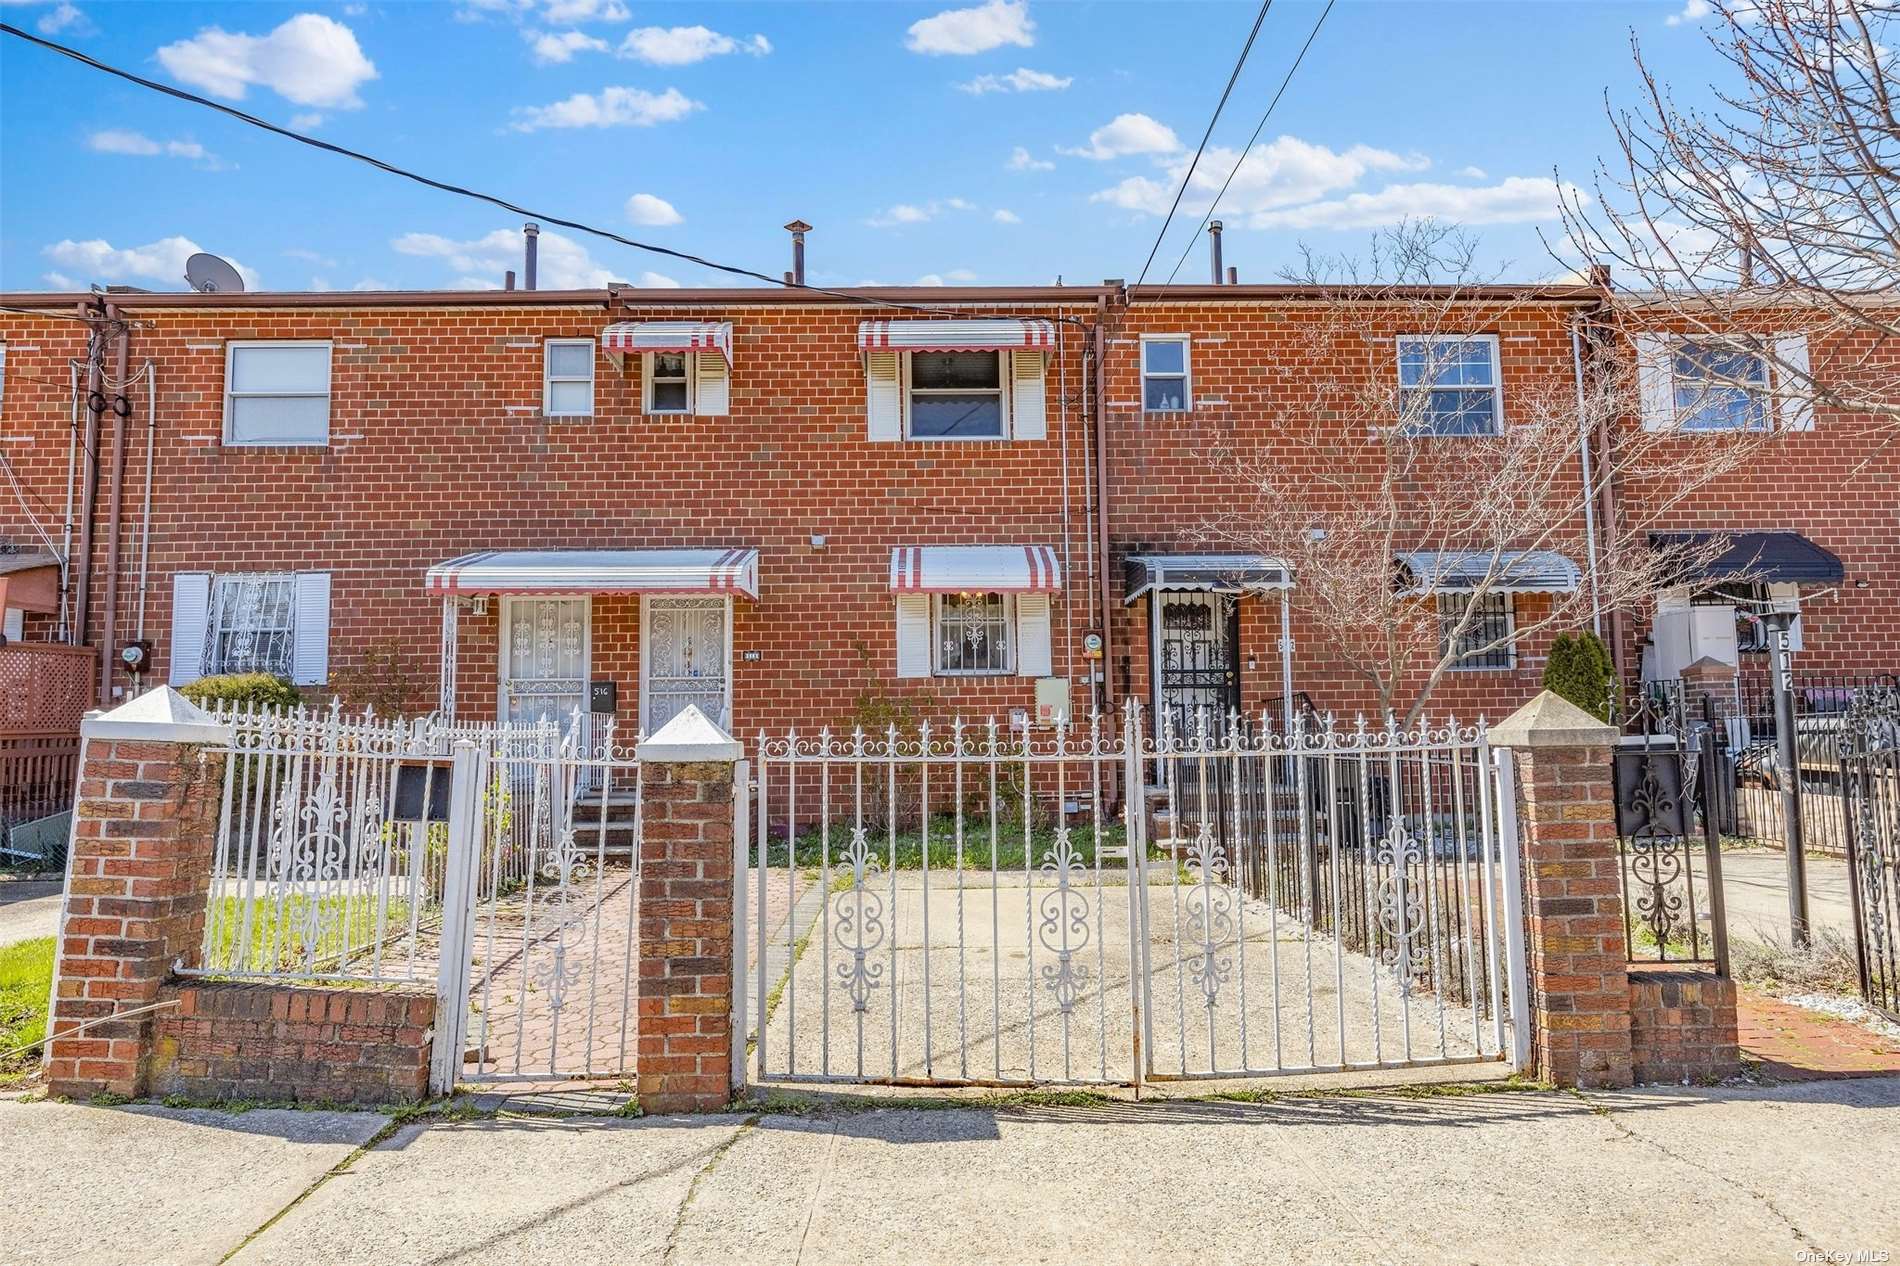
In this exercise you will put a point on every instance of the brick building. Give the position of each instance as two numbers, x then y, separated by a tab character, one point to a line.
792	508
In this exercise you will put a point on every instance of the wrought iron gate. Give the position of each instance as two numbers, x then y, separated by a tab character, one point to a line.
1870	779
979	905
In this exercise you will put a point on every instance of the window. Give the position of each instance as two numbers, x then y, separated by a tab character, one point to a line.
1164	374
669	382
973	634
1449	386
568	386
252	625
956	395
1486	640
1719	387
277	393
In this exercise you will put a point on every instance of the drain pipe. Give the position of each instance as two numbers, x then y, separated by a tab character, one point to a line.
1101	500
89	499
115	507
65	630
1589	490
145	511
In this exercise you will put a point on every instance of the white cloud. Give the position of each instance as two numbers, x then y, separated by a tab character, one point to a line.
645	208
1472	173
684	45
903	213
307	122
611	107
563	263
1514	200
60	281
960	275
658	281
564	11
1021	159
1022	79
125	141
65	16
549	48
310	60
1004	216
1693	11
1283	172
1128	134
309	257
99	261
977	30
929	279
372	283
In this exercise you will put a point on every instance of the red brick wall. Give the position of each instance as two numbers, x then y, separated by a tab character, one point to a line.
1682	1025
292	1043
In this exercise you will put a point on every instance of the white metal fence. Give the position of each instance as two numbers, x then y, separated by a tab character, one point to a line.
973	904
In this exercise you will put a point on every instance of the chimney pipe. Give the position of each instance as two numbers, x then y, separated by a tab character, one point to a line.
1233	275
533	233
798	229
508	280
1213	247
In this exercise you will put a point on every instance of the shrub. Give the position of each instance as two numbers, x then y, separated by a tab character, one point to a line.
1580	670
265	690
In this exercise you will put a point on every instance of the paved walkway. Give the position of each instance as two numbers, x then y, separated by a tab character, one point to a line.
29	908
1755	886
1682	1175
1790	1043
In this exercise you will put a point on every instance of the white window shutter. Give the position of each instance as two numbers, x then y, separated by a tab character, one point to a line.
1655	384
883	398
1033	657
913	635
1026	388
310	635
191	614
713	395
1796	403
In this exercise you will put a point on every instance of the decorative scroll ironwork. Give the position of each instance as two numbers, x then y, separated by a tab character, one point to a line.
1870	776
1210	905
859	921
1401	912
1064	927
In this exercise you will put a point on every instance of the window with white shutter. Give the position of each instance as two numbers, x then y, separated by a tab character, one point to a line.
276	622
191	605
1033	653
712	382
1028	396
914	656
883	397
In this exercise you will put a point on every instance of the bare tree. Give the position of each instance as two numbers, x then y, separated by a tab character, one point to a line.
1353	472
1777	202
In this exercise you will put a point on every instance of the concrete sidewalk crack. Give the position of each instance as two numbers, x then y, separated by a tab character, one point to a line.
341	1167
692	1188
817	1190
1609	1114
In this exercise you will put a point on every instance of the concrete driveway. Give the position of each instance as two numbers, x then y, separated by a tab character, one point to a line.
28	908
1692	1175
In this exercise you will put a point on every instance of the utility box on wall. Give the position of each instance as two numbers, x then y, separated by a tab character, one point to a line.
1052	700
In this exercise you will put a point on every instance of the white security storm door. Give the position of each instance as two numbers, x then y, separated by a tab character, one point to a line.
685	657
543	658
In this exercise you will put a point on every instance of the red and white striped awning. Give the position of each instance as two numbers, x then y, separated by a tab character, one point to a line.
582	571
955	336
975	569
669	336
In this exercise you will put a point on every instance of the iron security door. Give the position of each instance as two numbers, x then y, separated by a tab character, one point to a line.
1197	653
544	659
686	660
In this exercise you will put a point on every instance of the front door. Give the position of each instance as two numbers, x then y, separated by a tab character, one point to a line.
544	659
685	659
1196	641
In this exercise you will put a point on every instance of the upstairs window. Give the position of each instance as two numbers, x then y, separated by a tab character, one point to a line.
1164	374
277	393
1449	386
568	380
1719	387
1487	639
669	382
956	395
973	635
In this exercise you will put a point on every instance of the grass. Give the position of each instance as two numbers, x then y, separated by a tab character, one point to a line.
1011	845
1825	966
26	982
274	940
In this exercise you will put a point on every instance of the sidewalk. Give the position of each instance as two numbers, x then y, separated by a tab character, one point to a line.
1725	1174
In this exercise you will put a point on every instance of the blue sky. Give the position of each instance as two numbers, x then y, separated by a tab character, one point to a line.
1007	142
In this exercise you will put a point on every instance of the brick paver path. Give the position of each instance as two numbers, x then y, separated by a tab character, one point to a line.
1795	1044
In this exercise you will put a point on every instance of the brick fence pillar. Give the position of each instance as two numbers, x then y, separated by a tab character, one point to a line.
688	814
1573	903
145	824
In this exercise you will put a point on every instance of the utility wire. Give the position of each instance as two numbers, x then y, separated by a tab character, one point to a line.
1226	92
461	191
1248	147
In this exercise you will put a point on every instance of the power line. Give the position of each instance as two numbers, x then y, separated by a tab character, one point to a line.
461	191
1196	160
1248	147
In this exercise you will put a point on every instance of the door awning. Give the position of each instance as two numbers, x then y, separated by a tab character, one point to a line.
1520	571
975	569
1786	558
955	336
669	336
1220	573
584	571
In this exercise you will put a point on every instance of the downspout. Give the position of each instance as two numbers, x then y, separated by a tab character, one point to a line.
1101	503
89	499
145	511
65	630
1606	495
1589	495
115	508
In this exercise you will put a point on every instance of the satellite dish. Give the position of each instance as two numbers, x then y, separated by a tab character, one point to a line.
209	275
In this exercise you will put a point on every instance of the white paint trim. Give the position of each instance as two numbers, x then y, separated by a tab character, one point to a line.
1187	371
